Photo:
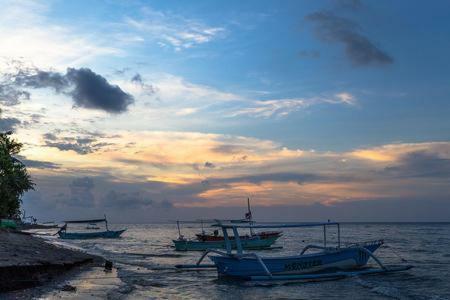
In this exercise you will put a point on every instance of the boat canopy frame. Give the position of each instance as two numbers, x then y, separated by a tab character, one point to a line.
239	249
92	221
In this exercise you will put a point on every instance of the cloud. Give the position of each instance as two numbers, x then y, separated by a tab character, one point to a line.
37	164
81	192
28	32
93	91
170	30
284	107
148	89
79	144
9	124
209	165
10	96
421	164
358	48
126	200
86	88
346	98
137	78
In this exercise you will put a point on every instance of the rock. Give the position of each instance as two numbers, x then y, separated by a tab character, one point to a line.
68	288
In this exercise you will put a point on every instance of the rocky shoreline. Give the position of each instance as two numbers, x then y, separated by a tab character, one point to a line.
27	261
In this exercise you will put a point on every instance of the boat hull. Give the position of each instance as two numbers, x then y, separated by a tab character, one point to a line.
261	235
110	234
249	244
336	260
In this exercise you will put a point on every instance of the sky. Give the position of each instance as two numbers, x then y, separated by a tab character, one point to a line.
149	111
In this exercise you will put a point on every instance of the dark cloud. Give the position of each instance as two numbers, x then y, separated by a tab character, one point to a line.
421	164
37	164
87	89
133	200
147	88
93	91
8	124
50	136
209	165
127	199
81	192
358	48
81	145
10	96
137	78
42	79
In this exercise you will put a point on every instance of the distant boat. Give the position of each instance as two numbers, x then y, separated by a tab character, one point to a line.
204	241
109	234
248	219
250	243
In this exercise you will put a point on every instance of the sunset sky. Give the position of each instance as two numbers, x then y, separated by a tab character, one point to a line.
157	110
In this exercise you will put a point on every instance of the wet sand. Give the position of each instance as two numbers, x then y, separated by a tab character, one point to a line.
27	261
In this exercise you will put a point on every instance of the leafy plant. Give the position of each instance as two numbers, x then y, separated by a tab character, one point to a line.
14	178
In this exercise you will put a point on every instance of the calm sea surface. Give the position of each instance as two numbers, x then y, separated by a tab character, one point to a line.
144	259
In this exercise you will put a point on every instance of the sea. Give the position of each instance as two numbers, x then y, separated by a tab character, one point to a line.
144	261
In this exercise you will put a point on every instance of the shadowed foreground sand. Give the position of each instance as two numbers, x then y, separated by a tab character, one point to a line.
27	261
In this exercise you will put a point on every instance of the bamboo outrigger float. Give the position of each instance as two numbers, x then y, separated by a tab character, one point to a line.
328	262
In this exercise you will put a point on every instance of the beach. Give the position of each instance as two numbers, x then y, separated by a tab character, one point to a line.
27	261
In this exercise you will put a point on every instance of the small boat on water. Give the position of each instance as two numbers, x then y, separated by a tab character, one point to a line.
204	241
326	263
203	236
109	234
248	242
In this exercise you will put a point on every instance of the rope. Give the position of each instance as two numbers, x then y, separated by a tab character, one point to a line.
395	253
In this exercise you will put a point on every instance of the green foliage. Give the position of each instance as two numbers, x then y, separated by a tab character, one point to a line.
14	178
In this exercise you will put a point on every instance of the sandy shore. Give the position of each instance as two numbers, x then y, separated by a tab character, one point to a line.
27	261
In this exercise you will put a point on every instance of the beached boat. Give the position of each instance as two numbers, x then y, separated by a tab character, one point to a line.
328	262
108	234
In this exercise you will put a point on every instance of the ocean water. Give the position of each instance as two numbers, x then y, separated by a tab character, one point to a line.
145	261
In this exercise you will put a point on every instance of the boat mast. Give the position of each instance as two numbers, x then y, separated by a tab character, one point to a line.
106	223
249	216
178	226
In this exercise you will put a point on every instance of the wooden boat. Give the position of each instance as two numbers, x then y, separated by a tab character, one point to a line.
215	237
328	262
108	234
250	242
253	240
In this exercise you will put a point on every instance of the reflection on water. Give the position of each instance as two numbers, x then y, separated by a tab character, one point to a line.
144	259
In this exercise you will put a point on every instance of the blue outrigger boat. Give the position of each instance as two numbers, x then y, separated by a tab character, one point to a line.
326	263
108	234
